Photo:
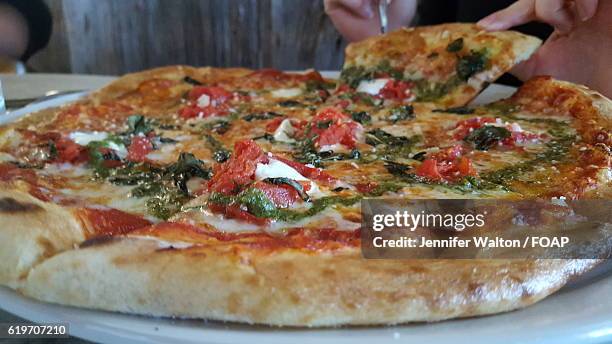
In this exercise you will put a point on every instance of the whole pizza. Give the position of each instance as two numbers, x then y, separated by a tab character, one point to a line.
234	194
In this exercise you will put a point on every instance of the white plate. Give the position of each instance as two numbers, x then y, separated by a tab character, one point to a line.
36	85
579	313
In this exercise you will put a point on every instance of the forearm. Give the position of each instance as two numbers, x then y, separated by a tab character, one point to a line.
14	29
358	19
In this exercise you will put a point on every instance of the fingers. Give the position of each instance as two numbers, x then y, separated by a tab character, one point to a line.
358	19
586	9
518	13
354	19
561	14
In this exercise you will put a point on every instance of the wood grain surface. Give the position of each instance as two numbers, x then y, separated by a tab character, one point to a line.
120	36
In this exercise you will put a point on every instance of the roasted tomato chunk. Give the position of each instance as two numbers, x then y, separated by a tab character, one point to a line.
206	101
281	195
447	165
330	127
239	170
70	151
139	147
397	90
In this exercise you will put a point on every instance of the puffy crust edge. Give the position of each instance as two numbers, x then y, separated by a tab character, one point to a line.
30	232
289	287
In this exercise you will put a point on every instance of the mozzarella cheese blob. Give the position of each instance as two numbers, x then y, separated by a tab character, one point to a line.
204	101
84	138
119	149
278	169
284	132
286	92
372	87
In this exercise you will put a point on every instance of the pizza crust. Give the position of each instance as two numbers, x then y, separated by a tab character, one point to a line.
288	287
30	232
129	82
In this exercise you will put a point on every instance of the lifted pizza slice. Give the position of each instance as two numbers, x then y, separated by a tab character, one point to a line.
447	64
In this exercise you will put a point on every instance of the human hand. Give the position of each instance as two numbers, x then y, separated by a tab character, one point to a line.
358	19
580	48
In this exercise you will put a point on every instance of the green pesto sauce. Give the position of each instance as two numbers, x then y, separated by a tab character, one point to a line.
468	64
259	205
166	187
556	151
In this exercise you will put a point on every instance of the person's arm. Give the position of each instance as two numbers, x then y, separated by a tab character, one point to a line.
15	32
358	19
580	49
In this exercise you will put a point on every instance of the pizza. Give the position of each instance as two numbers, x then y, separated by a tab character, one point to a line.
234	194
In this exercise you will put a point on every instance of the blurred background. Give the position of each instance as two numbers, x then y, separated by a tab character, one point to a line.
120	36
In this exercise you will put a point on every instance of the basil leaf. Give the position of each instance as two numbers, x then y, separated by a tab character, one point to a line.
361	117
187	167
487	136
455	46
290	103
459	110
192	81
257	203
401	113
137	124
219	127
471	64
401	170
261	116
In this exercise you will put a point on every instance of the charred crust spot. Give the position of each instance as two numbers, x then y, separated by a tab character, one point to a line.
11	205
173	249
98	241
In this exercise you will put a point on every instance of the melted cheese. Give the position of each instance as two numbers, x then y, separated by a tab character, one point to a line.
84	138
119	149
81	187
10	139
286	92
284	132
372	87
329	218
277	169
336	148
204	101
164	154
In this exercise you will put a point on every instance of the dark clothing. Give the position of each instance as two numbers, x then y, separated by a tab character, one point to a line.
39	20
431	12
